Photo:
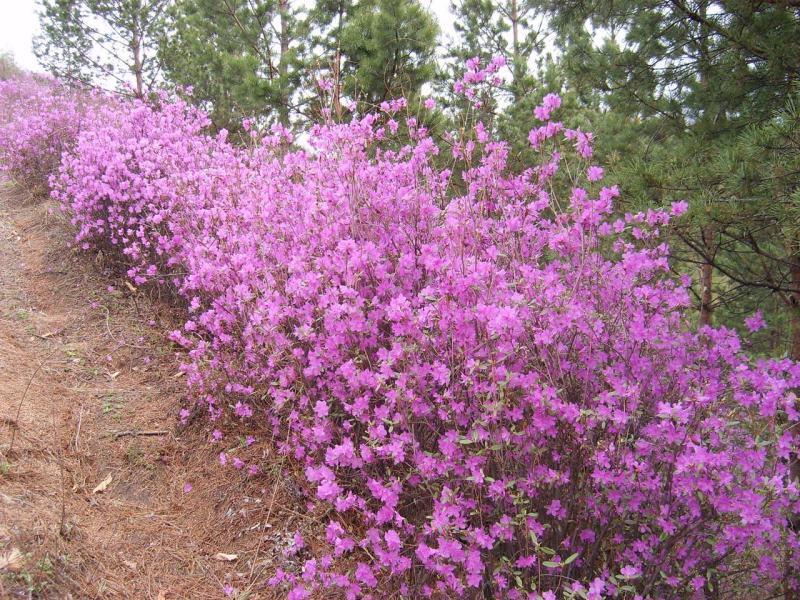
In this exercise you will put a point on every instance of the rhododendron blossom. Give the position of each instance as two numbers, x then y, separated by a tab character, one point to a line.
487	374
755	322
39	120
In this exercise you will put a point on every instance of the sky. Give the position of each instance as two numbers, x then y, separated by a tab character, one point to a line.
18	25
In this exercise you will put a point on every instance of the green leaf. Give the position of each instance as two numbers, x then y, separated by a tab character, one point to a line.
550	563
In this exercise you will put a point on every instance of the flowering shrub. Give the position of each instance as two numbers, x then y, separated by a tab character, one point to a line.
486	374
138	179
39	119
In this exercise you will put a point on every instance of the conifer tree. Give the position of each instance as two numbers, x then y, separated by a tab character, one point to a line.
265	58
388	49
242	58
102	41
676	83
8	67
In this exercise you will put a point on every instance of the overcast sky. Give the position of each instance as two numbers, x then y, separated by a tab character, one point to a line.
18	25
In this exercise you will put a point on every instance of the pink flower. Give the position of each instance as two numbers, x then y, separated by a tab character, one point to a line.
594	173
679	208
755	322
550	103
365	575
243	410
298	540
596	589
298	593
393	542
556	510
414	347
630	572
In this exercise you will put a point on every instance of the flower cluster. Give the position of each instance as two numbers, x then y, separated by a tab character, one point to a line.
134	179
488	378
39	120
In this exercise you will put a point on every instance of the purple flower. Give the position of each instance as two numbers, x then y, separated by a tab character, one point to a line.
594	173
480	356
755	322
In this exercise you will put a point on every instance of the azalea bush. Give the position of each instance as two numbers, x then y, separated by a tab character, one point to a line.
39	119
487	374
137	181
494	387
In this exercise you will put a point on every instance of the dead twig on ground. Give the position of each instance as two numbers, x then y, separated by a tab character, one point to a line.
22	401
118	434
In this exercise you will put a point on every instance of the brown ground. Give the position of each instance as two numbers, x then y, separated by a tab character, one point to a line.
77	363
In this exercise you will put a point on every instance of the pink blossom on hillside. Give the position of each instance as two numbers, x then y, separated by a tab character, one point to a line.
479	375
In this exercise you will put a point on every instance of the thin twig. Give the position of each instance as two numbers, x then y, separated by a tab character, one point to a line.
78	430
22	400
59	454
133	432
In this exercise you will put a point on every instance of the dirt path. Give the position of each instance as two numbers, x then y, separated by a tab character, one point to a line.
80	360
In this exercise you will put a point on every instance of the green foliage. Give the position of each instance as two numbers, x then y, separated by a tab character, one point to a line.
513	29
388	49
64	48
759	177
687	97
671	88
241	57
518	31
263	58
8	68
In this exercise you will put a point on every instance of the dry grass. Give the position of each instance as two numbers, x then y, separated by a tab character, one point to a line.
77	363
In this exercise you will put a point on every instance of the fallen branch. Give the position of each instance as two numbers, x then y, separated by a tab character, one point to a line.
133	432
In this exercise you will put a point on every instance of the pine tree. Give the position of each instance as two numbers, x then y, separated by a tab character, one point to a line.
518	31
264	58
513	29
326	24
99	41
241	57
677	82
388	50
8	67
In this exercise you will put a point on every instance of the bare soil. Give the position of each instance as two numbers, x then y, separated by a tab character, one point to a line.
87	513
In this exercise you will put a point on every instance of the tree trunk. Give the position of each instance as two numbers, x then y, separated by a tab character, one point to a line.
136	48
515	50
337	66
707	277
283	66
